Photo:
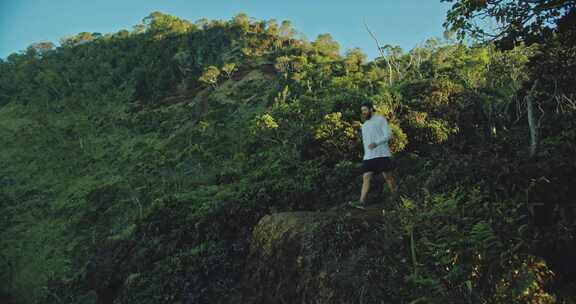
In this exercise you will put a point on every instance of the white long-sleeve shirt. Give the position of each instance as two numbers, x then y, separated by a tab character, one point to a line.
376	130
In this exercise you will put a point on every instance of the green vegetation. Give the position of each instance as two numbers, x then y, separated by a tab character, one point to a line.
135	166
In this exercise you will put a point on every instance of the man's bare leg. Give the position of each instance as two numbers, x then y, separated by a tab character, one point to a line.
366	178
390	180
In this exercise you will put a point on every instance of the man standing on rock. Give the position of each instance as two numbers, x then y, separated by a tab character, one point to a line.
377	155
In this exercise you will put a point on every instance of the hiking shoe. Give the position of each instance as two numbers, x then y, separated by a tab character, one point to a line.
357	204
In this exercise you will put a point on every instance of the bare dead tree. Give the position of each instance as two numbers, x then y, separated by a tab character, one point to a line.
381	51
532	124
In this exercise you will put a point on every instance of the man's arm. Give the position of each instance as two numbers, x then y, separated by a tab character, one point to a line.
386	131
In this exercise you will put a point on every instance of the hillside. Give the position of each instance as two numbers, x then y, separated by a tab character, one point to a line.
204	162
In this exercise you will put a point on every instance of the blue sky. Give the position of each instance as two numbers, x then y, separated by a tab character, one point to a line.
400	22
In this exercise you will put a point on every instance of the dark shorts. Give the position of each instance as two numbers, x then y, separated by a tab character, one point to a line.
378	165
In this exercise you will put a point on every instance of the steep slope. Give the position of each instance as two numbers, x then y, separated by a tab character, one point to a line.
201	163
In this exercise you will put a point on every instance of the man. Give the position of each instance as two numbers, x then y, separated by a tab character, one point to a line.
377	155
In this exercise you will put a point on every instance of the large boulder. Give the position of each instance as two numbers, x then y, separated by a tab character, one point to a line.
339	256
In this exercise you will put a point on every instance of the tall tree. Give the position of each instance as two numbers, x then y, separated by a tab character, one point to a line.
522	20
326	45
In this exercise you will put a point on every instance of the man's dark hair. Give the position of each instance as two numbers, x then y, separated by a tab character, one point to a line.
368	105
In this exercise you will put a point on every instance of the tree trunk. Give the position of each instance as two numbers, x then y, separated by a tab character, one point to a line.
531	122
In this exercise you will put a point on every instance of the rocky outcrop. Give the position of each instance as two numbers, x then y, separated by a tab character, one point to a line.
341	256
